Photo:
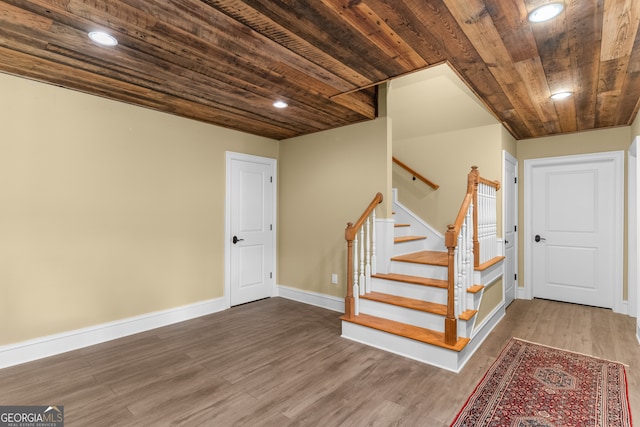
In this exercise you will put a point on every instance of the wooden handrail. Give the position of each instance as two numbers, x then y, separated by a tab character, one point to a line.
495	184
415	174
350	235
350	231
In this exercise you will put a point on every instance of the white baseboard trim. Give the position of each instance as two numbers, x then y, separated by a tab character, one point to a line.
521	293
312	298
51	345
622	307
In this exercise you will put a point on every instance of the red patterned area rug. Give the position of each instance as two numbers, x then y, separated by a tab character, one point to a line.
531	385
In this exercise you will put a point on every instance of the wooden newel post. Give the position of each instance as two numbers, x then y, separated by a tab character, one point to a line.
349	303
450	322
473	181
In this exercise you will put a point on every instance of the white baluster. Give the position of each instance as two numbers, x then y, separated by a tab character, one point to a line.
468	266
361	280
458	266
356	290
367	268
469	255
374	259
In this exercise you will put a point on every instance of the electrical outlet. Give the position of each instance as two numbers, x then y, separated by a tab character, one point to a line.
334	278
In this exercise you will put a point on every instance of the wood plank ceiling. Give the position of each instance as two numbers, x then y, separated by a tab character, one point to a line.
226	61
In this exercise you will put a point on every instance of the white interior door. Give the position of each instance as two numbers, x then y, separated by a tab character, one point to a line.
250	227
575	228
510	218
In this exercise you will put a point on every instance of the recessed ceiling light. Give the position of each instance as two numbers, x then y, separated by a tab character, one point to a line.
103	38
546	12
560	95
280	104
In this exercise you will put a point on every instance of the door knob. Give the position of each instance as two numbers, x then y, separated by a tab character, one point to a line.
236	240
538	238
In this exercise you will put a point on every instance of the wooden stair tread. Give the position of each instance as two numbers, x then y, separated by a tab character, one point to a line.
416	333
424	257
467	315
489	263
425	281
403	239
475	289
414	304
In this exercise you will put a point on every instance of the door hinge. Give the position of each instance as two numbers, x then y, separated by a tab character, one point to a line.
271	275
515	180
515	228
270	179
270	227
515	277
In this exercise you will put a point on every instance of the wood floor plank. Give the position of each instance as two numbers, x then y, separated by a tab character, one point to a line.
281	363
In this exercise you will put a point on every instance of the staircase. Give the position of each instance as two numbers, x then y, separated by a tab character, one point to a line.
404	304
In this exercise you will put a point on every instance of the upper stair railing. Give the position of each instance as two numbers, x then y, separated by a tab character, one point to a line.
361	257
470	241
415	174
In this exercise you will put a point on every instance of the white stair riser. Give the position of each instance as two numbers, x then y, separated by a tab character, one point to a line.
488	275
465	327
401	231
409	247
420	270
473	300
416	350
409	290
402	314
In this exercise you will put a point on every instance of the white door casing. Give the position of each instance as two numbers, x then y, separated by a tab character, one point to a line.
509	224
633	221
250	242
575	205
632	230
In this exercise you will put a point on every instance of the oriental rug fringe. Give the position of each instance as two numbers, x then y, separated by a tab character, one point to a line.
531	385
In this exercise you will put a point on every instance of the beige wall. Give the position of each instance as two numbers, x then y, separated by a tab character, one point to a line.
509	143
326	180
108	210
635	127
615	139
446	159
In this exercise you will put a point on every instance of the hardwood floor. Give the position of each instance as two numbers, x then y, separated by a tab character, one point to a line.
280	363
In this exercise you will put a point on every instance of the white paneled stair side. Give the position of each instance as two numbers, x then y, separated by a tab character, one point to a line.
404	309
